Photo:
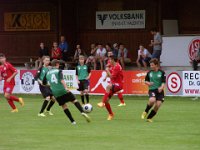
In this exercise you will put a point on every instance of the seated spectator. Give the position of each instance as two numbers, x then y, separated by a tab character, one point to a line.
115	50
143	58
108	50
56	52
91	59
42	52
123	55
100	55
196	59
78	52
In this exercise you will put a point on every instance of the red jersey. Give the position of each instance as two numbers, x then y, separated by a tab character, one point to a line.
116	74
6	71
56	54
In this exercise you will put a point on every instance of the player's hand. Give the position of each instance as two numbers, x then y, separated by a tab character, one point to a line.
78	82
8	80
160	89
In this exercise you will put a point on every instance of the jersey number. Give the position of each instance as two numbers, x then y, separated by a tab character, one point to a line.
54	79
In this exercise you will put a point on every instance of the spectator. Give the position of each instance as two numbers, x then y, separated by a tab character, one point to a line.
143	57
64	48
91	58
42	52
123	55
100	55
196	59
78	52
56	52
156	43
115	50
108	50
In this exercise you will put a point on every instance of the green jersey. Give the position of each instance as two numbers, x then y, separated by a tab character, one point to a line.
54	77
41	73
157	77
82	71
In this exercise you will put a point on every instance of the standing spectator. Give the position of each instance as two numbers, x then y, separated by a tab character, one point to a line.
42	52
56	51
143	57
78	52
123	55
100	55
91	58
115	50
64	48
156	43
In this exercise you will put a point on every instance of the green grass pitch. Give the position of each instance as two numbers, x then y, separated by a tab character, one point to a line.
176	127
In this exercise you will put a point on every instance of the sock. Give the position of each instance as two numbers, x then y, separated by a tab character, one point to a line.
120	96
87	97
82	99
152	114
78	105
12	105
108	108
105	97
44	105
148	108
13	98
50	105
69	115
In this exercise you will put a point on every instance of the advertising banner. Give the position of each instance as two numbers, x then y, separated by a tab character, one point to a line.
132	19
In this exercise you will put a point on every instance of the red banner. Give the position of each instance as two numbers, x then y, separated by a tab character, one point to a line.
133	82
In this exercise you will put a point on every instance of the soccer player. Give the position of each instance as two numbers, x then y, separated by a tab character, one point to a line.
116	85
119	93
8	73
155	79
45	90
83	75
54	77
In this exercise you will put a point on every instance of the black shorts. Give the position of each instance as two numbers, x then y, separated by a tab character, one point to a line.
83	85
69	97
46	91
157	95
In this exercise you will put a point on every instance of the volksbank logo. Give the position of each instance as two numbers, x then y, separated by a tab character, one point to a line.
102	18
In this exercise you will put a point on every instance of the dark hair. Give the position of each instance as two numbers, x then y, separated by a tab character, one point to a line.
54	62
2	55
154	29
154	60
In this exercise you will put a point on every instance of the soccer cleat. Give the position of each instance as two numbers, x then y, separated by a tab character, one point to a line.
101	104
41	115
21	101
144	114
49	113
86	117
110	117
73	123
149	120
122	104
14	110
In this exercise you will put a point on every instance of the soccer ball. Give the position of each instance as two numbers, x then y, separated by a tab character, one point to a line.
87	108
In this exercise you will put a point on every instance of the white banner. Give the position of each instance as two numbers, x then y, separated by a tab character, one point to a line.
179	50
191	83
133	19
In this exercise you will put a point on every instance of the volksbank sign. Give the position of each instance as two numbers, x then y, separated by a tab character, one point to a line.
133	19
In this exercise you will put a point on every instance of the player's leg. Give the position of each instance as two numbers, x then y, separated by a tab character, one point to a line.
82	97
120	96
151	102
68	113
10	102
44	105
86	84
154	110
51	103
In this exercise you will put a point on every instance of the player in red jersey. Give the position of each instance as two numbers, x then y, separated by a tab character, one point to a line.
119	93
8	73
116	76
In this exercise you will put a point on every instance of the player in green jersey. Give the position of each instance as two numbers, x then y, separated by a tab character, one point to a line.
83	75
54	78
45	90
155	79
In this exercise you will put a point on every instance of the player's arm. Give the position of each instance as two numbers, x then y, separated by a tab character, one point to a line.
14	73
36	78
161	88
77	76
147	80
108	72
89	73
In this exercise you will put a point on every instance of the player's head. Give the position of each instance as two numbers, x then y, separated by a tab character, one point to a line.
55	63
113	59
81	59
154	63
2	58
46	60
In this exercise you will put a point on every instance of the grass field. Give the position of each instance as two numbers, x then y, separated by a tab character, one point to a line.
176	127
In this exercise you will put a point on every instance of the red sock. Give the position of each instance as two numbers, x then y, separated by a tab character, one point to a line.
105	97
12	105
13	98
108	108
120	96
